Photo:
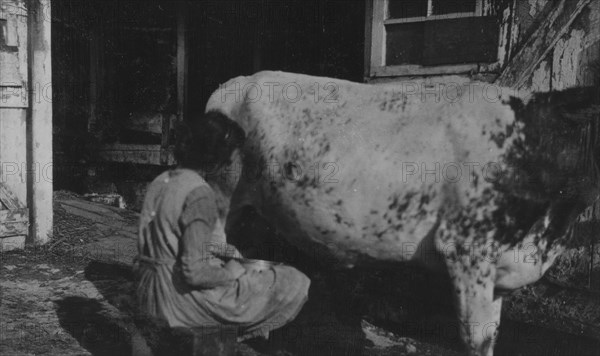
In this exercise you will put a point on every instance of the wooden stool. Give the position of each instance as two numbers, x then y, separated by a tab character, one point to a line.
154	337
219	341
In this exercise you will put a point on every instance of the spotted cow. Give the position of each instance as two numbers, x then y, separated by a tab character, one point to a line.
477	184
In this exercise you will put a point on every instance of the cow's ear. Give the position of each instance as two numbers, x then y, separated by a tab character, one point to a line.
516	104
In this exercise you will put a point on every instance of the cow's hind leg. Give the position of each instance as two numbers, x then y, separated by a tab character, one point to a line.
472	276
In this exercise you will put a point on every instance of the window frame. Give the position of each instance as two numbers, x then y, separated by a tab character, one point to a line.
375	44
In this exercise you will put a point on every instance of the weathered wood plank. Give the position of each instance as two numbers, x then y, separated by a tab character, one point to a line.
14	222
576	53
129	147
12	243
9	229
16	215
541	42
148	122
142	154
13	56
9	71
417	70
8	199
13	167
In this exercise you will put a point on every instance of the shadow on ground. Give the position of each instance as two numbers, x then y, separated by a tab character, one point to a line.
104	328
401	301
519	339
96	330
329	324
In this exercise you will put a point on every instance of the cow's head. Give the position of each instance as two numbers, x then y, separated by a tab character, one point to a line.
560	151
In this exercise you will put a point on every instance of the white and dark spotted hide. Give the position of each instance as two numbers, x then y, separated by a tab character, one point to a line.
482	187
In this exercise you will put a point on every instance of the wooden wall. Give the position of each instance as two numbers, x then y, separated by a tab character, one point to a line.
25	123
118	66
13	107
573	58
232	38
543	45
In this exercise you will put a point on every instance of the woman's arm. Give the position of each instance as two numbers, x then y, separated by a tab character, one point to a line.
226	251
199	263
199	266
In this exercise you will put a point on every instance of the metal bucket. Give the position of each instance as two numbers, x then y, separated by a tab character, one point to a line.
257	265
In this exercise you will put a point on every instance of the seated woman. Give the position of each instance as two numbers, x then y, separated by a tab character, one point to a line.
187	276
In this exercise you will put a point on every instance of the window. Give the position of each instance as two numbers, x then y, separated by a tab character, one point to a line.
421	37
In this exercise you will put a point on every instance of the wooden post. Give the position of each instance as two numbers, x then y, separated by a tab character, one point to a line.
322	37
378	48
182	59
182	66
258	37
94	77
368	38
40	122
591	265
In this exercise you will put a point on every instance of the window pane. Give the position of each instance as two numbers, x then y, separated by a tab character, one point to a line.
443	7
399	9
455	41
404	43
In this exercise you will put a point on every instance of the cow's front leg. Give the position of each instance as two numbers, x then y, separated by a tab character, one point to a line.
478	311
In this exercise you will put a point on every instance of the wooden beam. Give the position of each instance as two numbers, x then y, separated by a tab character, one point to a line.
8	229
141	154
40	124
182	70
368	38
16	215
182	60
541	42
8	199
415	70
14	222
378	36
166	130
94	76
148	122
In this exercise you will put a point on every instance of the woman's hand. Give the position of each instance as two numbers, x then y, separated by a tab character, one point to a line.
227	251
235	268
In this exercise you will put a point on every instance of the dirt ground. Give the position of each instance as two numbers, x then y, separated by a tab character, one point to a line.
60	299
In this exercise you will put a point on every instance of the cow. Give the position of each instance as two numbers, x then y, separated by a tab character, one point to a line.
481	184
